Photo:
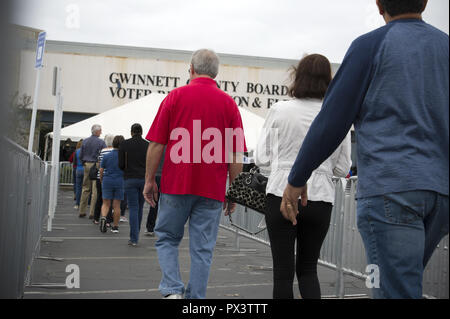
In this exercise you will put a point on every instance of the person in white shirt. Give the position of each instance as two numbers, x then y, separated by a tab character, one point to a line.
285	128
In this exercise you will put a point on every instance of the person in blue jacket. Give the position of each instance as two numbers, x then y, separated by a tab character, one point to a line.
79	174
393	86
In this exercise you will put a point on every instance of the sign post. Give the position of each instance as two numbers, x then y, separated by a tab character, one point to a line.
38	66
57	122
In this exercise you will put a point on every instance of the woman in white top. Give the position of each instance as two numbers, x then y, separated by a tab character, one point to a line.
284	131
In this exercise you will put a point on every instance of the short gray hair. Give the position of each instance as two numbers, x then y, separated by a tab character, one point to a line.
95	128
109	140
205	62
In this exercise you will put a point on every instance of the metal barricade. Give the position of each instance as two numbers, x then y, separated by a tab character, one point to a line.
65	173
435	277
24	205
343	249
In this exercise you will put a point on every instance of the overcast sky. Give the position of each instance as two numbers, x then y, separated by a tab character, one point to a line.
269	28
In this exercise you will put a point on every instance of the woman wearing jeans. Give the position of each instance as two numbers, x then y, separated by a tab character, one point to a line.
98	204
284	130
112	185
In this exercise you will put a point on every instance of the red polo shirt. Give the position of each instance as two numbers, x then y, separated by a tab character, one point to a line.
197	123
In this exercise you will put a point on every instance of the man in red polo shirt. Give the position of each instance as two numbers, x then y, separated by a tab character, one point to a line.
202	128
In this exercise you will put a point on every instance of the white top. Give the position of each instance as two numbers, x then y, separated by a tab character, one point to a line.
286	126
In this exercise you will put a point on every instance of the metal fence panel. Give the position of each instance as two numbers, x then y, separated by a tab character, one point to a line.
435	277
65	173
12	223
343	248
24	205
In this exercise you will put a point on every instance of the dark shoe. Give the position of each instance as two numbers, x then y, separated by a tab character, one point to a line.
103	224
82	215
91	216
115	229
130	243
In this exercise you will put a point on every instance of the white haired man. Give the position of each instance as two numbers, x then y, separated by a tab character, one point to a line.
89	154
194	188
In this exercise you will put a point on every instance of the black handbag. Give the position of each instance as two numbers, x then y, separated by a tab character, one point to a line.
93	172
249	189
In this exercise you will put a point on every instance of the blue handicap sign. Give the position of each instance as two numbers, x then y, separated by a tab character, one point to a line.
40	49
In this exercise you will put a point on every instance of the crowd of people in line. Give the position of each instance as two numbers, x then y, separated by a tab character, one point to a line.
109	178
392	87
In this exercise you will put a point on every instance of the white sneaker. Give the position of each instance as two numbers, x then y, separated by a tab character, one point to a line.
123	219
173	296
76	206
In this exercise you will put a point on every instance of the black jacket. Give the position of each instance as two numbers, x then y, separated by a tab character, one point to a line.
132	155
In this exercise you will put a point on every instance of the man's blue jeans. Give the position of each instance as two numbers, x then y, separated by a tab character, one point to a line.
400	232
204	216
133	190
79	174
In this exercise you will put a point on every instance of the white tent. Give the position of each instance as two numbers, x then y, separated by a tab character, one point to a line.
118	121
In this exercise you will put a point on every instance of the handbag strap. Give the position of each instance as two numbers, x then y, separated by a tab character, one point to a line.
243	229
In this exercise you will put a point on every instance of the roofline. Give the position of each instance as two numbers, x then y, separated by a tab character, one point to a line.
111	50
25	28
101	47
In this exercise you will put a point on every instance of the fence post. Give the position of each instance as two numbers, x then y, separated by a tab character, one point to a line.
23	227
237	244
57	122
28	216
340	243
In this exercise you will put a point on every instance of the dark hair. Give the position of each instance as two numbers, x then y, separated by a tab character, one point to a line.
397	7
117	140
136	129
311	77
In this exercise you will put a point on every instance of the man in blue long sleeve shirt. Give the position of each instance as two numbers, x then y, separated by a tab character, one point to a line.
393	85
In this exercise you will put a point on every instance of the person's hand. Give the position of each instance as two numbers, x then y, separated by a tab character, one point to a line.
289	203
229	207
151	192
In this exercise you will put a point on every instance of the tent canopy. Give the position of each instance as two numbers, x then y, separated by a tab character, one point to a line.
118	121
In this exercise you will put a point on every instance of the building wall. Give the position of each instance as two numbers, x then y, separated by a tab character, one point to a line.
97	78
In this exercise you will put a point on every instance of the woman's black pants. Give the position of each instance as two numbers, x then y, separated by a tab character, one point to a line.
312	226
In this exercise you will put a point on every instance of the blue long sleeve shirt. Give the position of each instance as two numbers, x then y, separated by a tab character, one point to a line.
393	85
90	149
